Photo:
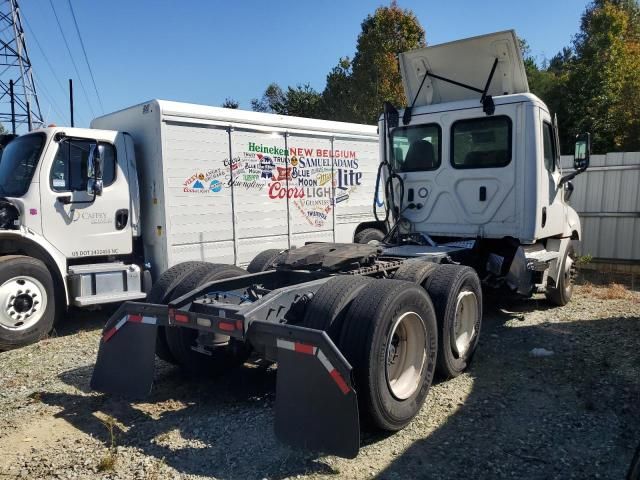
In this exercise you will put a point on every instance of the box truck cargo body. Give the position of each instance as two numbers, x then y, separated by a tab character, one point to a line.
93	216
222	185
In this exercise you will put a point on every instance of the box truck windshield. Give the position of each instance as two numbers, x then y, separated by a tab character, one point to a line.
18	163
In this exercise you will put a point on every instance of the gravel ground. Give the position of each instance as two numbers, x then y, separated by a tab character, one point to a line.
572	414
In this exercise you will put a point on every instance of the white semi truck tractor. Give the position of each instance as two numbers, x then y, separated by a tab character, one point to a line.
474	198
94	216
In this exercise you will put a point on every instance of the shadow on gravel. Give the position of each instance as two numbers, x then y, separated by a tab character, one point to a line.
221	428
570	415
77	320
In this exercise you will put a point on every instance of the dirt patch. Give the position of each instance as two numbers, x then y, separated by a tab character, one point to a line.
570	413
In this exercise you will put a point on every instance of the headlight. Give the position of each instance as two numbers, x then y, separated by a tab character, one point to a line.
9	216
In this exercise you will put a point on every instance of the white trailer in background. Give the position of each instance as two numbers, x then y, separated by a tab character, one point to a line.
177	182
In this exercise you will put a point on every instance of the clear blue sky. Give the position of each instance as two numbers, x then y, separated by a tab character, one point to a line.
204	51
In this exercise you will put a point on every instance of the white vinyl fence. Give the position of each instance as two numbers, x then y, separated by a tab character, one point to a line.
607	198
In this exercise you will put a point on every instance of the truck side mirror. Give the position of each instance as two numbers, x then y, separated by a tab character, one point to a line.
94	170
582	152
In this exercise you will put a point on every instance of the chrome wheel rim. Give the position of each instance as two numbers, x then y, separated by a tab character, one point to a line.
23	302
464	323
406	355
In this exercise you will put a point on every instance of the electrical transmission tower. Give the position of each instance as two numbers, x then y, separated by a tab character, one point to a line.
19	105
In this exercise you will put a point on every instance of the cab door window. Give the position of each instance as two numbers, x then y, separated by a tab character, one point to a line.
69	170
549	147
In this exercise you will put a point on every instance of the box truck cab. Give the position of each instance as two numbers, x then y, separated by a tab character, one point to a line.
93	216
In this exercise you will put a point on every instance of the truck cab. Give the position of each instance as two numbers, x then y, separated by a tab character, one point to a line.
68	227
475	158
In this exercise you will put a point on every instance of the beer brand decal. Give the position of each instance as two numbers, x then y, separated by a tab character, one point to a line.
314	179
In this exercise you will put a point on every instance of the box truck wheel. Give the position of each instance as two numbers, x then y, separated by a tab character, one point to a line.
27	301
389	337
181	340
263	261
368	234
160	293
327	308
457	298
416	271
561	291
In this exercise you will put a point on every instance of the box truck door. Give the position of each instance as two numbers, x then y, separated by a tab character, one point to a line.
356	165
262	181
198	195
74	222
312	171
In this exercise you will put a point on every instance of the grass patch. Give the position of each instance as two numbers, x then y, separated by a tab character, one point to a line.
613	291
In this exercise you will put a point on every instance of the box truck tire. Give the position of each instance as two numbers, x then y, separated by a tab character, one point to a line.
390	339
182	340
160	293
27	301
368	234
457	298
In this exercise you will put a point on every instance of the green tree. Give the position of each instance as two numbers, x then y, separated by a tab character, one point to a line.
300	101
357	89
603	82
230	103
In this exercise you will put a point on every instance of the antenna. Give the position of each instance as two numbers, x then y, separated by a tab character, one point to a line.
19	103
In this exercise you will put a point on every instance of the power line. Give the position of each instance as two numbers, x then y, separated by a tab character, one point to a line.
72	61
44	55
86	58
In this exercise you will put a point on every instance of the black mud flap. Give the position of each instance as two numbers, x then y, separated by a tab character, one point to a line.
316	404
126	359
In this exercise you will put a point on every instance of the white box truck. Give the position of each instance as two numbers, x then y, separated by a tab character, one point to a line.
476	200
92	216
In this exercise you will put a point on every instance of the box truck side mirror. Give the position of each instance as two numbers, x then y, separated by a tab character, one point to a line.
94	170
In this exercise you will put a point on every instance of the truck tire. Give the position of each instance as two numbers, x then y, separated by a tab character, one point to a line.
416	271
368	234
159	294
560	292
389	336
457	298
327	308
263	261
181	340
27	301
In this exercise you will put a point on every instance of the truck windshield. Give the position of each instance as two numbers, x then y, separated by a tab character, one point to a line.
18	161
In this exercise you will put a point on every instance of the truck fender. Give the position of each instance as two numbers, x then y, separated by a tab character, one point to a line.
24	242
557	245
572	228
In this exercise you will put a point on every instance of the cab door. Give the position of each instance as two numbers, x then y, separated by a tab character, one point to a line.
551	215
77	223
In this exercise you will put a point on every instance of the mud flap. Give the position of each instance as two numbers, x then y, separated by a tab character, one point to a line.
316	404
126	358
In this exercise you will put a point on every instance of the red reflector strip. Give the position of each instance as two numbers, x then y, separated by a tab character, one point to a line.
135	318
109	334
239	325
181	317
304	348
335	374
342	385
226	326
112	331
